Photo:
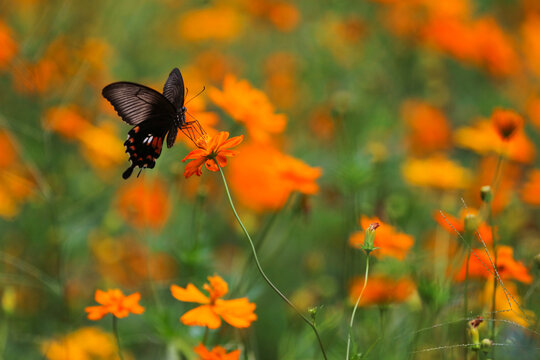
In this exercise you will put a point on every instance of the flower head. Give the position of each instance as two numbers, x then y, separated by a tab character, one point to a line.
217	353
437	172
211	150
114	302
237	312
262	166
481	230
506	122
249	106
531	189
381	290
507	266
84	343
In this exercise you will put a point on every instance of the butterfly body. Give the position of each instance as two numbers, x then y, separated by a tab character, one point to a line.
154	115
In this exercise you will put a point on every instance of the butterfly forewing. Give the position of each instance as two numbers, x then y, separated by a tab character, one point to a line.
174	89
136	103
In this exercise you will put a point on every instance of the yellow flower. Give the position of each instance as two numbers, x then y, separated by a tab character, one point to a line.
436	172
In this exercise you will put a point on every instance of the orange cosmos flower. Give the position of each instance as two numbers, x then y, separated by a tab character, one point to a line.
116	303
237	312
429	128
264	167
217	353
388	241
211	150
250	107
531	190
437	172
8	46
220	22
504	309
83	344
101	147
66	120
484	139
507	267
453	224
531	44
144	203
381	290
506	123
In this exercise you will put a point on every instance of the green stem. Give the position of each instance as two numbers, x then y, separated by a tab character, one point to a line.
494	296
261	271
205	336
115	331
466	297
356	307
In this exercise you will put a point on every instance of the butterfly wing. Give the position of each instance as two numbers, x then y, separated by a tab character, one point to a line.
144	144
136	103
174	89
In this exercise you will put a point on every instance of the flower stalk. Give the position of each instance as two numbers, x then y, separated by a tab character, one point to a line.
368	248
117	337
259	267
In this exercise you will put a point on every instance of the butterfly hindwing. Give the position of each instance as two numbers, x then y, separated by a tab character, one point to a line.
174	89
136	103
144	144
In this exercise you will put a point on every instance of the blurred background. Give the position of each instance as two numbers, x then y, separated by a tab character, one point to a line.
353	112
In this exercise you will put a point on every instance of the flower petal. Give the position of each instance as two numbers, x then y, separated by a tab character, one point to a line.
189	294
202	316
96	312
238	312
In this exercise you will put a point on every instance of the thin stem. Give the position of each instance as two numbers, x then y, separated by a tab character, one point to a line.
261	271
466	297
356	307
115	331
205	335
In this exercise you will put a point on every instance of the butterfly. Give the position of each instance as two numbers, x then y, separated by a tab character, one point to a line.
154	115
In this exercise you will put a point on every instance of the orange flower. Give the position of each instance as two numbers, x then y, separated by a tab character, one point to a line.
217	353
380	290
507	267
237	312
506	123
101	147
531	43
249	106
436	171
505	310
484	139
220	22
264	167
284	16
388	241
531	190
8	46
83	344
66	120
116	303
144	204
211	150
453	224
429	129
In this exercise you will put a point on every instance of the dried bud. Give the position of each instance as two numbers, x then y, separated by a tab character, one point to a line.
506	123
485	194
473	332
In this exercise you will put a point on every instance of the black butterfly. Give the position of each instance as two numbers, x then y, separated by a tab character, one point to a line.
154	115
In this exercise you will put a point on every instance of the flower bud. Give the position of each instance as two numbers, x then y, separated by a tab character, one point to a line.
369	238
473	332
471	223
486	194
485	345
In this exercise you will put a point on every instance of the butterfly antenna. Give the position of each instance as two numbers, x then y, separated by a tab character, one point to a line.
199	93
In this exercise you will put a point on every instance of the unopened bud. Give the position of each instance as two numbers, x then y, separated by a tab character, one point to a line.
313	313
486	194
486	345
471	223
369	238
